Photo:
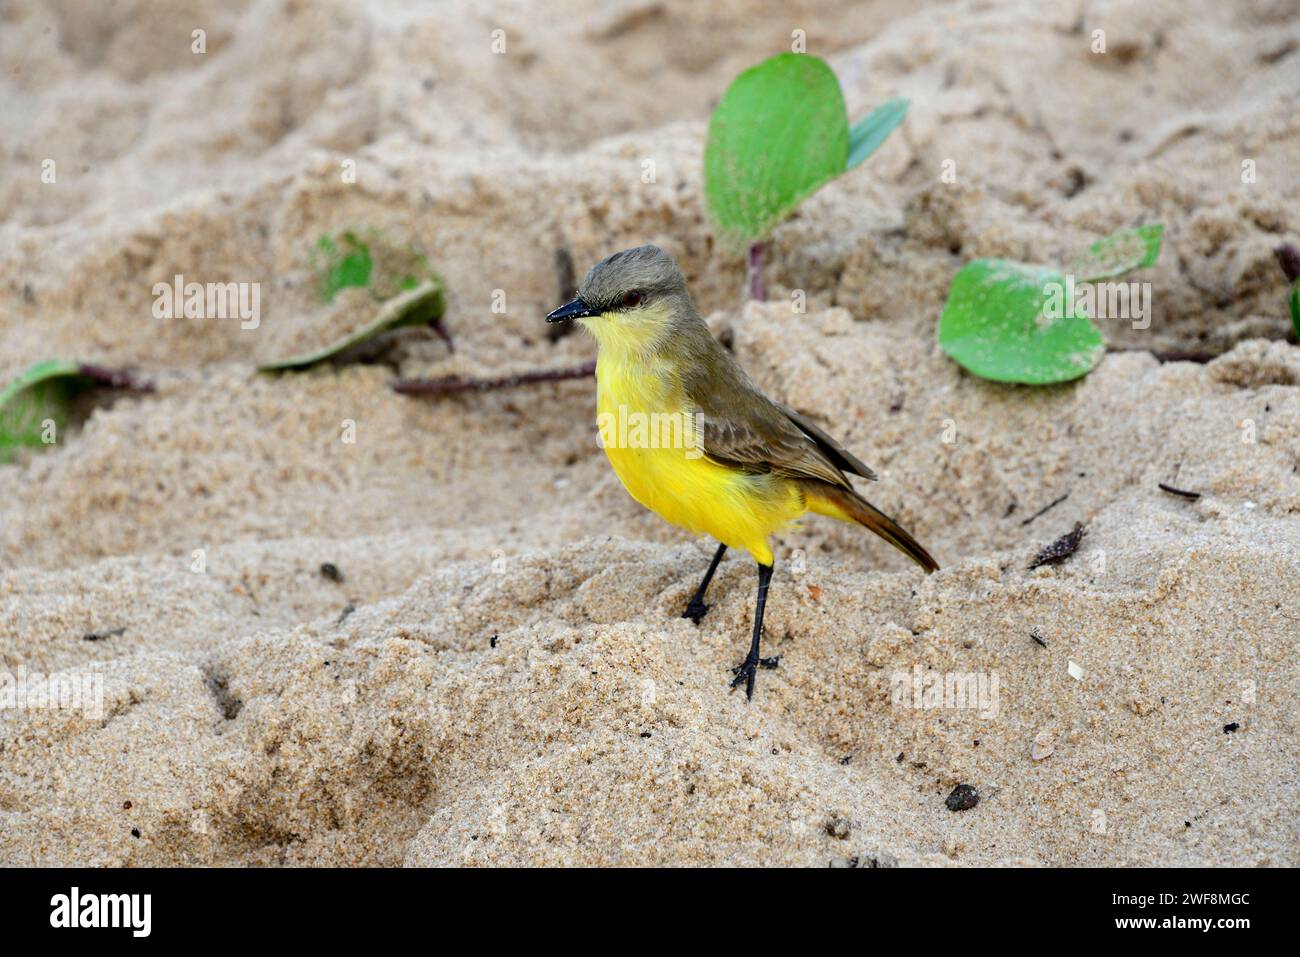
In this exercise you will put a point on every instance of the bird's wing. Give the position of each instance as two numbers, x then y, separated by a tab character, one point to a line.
843	459
741	428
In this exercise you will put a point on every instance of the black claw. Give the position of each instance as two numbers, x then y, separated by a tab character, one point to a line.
745	672
695	611
773	662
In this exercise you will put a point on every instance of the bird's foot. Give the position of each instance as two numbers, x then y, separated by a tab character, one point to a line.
747	670
696	610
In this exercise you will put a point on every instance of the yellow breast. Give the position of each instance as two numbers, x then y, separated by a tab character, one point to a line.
648	429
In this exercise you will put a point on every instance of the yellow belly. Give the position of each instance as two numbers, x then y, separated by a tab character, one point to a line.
671	477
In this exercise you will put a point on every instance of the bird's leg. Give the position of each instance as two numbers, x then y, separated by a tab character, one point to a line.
697	609
750	665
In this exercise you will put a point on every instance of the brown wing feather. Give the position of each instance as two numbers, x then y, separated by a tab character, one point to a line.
844	460
786	452
745	430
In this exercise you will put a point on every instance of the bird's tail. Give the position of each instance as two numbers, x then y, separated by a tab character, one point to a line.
849	506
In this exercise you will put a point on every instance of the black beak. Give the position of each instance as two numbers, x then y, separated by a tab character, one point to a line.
574	309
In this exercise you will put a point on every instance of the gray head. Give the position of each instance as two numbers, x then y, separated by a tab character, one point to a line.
643	279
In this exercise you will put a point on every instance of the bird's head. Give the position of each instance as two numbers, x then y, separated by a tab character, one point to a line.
630	300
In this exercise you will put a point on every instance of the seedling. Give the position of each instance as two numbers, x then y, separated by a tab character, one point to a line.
420	306
778	135
402	280
36	407
342	269
996	323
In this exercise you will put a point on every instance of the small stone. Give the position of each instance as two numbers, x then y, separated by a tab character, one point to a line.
839	827
1076	671
963	798
1043	746
1061	549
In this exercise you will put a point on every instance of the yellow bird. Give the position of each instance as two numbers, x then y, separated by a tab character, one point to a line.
693	439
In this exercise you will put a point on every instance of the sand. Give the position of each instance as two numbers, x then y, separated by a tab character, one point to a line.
499	675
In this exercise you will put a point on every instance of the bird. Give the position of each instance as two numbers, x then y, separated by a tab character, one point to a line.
740	467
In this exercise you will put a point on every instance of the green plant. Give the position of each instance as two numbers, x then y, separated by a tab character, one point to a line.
1013	322
337	269
778	135
36	407
400	278
350	263
1288	257
421	305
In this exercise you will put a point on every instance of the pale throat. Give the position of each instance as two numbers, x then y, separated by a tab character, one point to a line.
633	366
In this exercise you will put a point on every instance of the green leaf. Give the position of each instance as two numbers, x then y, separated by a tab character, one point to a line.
36	395
870	131
1295	307
45	392
779	133
341	270
418	306
994	325
41	372
1119	253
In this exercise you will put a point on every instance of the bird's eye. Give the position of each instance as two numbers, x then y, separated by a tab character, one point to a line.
632	298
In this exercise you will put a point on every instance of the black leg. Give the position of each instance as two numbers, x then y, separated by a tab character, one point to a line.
697	609
750	665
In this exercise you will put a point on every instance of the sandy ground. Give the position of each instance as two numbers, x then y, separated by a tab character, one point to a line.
511	684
